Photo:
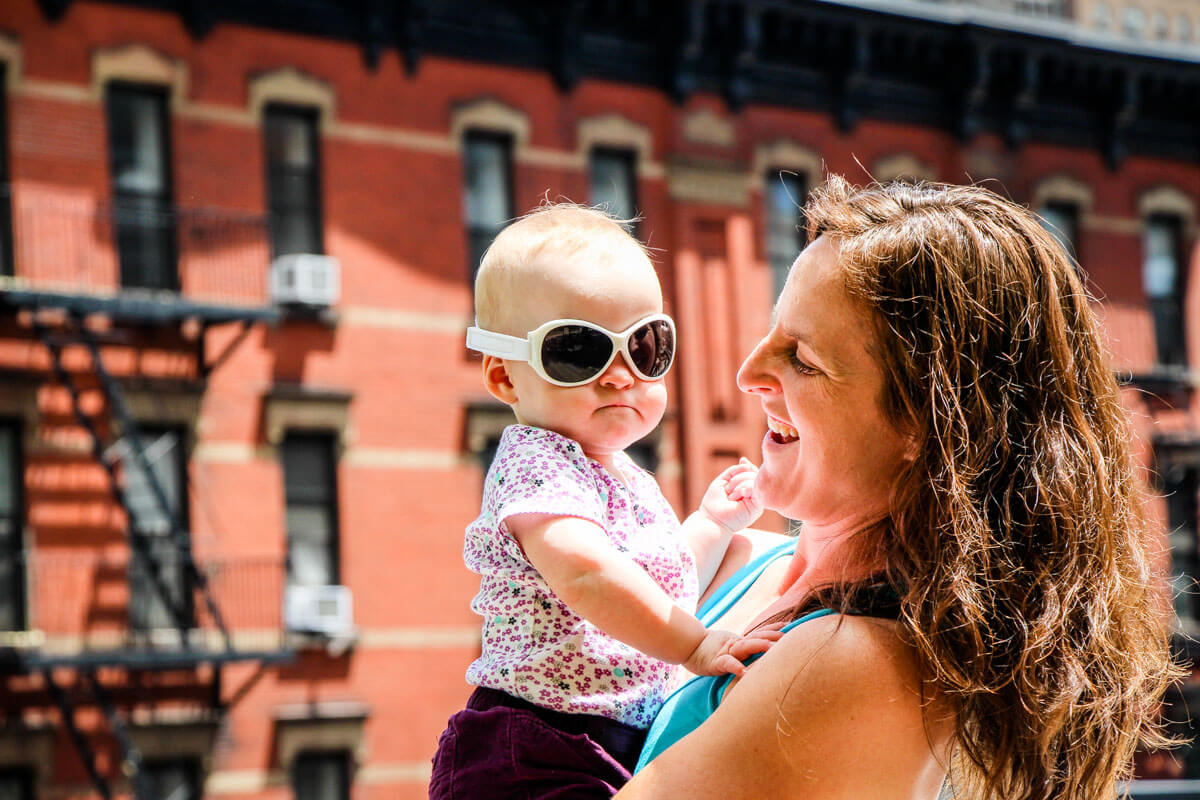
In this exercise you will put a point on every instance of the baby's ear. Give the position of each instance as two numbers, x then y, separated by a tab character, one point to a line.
497	380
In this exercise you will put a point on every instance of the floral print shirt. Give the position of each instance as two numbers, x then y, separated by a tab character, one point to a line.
536	648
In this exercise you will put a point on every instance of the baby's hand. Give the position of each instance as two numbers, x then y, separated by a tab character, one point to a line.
723	651
730	500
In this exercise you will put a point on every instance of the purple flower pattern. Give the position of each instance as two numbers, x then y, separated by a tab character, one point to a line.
536	648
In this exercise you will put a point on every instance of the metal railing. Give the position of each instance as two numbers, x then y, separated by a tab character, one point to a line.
69	241
93	601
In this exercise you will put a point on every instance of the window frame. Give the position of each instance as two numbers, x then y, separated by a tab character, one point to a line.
1167	311
311	117
16	548
627	158
25	777
162	199
476	233
7	263
329	444
344	760
161	544
192	766
1069	239
776	175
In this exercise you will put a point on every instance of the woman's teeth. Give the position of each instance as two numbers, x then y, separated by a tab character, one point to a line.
781	433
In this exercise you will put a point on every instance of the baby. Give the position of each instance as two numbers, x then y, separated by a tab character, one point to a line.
588	580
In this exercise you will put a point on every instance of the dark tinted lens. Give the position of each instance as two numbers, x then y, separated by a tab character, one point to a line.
573	353
652	347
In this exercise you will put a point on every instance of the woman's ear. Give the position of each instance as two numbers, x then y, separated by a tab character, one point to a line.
497	380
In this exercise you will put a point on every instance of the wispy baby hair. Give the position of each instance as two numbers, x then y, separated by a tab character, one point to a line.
565	231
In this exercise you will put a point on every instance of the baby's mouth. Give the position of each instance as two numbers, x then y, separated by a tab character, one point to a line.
781	432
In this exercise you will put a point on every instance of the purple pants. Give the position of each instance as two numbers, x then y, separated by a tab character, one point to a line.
503	748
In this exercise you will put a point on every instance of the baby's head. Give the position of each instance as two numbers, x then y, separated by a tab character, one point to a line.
567	262
552	262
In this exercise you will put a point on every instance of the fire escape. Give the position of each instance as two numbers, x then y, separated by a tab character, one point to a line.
83	284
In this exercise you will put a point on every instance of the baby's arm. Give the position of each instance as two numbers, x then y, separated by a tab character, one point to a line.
728	506
610	590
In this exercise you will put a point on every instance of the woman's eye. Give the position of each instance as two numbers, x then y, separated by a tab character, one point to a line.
802	367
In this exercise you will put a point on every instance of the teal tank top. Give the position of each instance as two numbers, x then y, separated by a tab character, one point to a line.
695	701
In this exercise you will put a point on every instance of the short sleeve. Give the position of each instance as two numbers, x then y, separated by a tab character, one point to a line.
541	472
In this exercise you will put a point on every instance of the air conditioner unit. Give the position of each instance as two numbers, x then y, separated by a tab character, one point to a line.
328	610
305	279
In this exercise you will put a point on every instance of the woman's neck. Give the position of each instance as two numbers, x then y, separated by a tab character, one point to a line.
824	556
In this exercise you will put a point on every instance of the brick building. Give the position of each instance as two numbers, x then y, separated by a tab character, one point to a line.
239	434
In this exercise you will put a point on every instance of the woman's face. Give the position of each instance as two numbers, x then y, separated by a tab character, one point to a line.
830	454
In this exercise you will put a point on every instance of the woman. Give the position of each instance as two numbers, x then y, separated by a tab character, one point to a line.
944	422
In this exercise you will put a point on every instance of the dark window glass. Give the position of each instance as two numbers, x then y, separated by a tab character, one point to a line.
173	780
785	195
293	180
16	784
142	211
12	551
1162	278
6	238
613	176
310	490
1061	219
165	451
322	776
487	199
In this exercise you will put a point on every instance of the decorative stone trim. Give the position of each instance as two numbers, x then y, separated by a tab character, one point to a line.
708	183
1064	188
295	407
784	154
177	738
320	726
139	64
613	130
30	746
290	85
708	127
1168	200
489	114
156	406
10	55
903	166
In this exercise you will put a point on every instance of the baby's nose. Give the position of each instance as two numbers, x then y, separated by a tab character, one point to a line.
618	375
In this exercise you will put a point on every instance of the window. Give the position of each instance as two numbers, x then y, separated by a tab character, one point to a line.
293	180
12	551
1181	483
321	776
142	209
310	491
488	203
6	237
165	451
1061	218
613	175
16	784
785	194
177	779
1159	25
1134	20
1162	278
1101	16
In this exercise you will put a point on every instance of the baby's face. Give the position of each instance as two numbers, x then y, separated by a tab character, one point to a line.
618	408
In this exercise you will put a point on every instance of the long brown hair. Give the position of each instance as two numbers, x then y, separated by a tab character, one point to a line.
1017	534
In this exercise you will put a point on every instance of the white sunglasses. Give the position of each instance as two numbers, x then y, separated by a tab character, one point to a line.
572	352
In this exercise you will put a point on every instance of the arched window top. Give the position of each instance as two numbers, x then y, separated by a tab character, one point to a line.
902	166
1063	189
487	113
785	154
293	87
1167	199
614	130
138	63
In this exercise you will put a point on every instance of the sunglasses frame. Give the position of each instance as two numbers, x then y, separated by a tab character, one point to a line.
530	348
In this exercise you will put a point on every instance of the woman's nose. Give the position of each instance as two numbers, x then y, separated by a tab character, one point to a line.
754	376
618	375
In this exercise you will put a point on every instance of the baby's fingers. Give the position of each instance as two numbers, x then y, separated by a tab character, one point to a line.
727	663
758	642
